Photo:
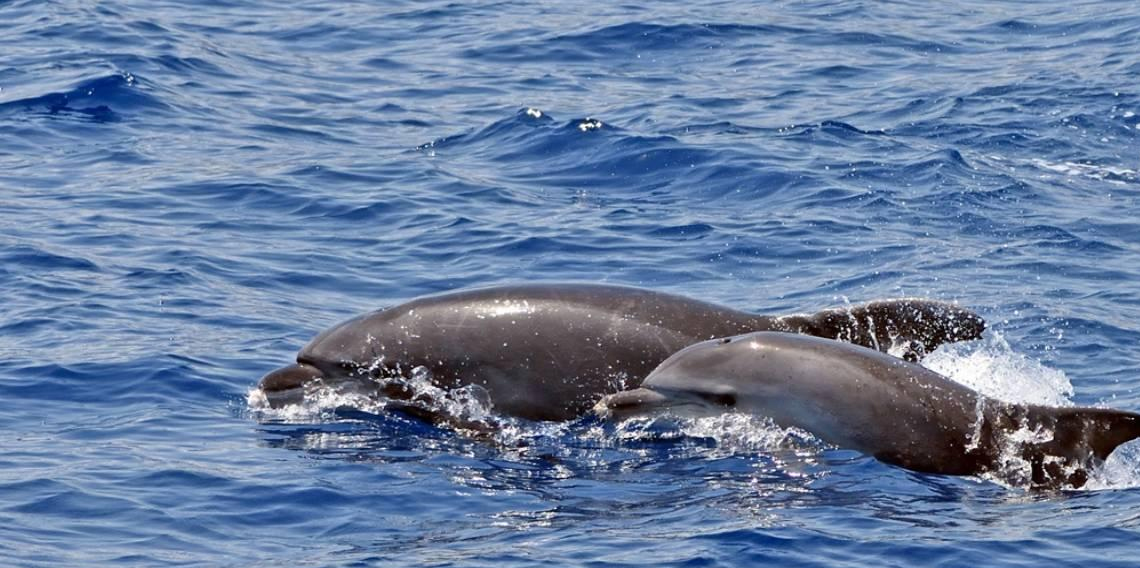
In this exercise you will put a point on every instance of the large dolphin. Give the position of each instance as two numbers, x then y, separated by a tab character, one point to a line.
894	410
550	351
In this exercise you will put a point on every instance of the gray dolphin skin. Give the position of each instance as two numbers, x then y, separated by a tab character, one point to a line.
550	351
894	410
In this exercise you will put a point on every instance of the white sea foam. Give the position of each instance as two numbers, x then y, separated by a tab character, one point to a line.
317	406
991	367
1112	174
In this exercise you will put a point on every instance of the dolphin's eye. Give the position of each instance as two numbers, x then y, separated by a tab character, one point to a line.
718	398
726	340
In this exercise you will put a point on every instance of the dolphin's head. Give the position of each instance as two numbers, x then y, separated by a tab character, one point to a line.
332	356
701	378
749	373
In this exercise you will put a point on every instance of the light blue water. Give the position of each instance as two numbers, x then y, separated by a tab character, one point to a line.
188	193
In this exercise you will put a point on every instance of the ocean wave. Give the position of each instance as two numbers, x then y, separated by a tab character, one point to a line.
625	40
109	98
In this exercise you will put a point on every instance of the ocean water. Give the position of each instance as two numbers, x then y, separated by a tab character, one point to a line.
189	192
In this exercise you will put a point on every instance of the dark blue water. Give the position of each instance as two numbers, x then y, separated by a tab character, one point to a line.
189	192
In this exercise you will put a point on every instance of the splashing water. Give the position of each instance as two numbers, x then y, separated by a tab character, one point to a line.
1120	471
318	405
469	404
989	366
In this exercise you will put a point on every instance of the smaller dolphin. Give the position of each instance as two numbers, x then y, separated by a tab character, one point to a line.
897	411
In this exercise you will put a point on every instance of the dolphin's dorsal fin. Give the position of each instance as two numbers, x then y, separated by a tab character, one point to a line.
917	325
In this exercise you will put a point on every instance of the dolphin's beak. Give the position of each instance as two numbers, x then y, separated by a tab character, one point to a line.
286	385
624	404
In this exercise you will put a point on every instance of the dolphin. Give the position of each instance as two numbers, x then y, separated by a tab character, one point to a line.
550	351
895	410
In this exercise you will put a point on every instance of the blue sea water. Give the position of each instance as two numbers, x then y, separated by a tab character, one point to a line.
190	191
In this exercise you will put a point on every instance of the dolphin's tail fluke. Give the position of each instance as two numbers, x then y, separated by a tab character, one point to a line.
1099	430
1080	438
914	325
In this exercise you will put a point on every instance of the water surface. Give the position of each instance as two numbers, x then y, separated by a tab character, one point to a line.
189	193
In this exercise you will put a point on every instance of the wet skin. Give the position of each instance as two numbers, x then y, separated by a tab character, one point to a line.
550	351
892	409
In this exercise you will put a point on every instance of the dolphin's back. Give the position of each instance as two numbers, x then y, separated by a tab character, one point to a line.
542	352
